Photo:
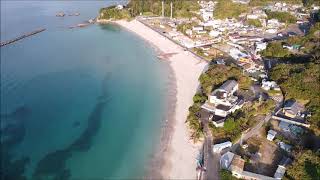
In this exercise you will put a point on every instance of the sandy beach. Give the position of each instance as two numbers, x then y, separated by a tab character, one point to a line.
178	159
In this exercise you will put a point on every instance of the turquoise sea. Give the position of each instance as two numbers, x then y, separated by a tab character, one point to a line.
84	103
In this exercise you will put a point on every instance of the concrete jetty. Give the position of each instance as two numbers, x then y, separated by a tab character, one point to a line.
21	37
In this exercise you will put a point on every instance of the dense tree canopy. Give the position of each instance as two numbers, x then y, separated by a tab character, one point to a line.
275	49
284	17
228	9
301	80
265	2
217	74
306	166
181	8
114	13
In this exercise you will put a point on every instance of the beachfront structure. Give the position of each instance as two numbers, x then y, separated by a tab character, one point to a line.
224	93
219	147
222	101
271	135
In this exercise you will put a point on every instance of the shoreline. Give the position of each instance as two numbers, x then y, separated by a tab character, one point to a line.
175	158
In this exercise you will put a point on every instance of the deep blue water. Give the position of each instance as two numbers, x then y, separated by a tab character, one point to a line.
81	103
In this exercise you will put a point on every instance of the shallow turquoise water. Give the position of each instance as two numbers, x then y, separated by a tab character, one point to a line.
82	103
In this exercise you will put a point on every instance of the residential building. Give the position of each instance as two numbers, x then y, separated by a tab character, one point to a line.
235	164
282	168
285	146
270	85
197	28
224	94
217	121
271	135
119	7
222	101
214	33
219	147
241	1
226	159
293	109
259	46
284	126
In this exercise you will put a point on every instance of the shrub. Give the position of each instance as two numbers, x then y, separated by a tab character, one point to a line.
282	16
254	22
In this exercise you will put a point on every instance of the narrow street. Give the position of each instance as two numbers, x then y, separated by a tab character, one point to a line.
211	160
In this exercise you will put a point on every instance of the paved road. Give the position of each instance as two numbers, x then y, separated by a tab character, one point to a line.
211	160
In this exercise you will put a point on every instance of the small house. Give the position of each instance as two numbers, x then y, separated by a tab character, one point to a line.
197	28
284	126
237	166
226	159
293	109
270	85
189	32
119	7
285	146
271	135
218	121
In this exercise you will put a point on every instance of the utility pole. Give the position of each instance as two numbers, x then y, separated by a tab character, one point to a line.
171	6
162	8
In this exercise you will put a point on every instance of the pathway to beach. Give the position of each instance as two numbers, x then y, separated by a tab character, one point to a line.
180	158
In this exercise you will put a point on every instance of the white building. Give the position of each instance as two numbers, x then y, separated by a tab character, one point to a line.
222	102
214	33
285	146
241	1
197	28
267	85
207	15
260	46
189	32
219	147
119	7
223	94
271	135
272	31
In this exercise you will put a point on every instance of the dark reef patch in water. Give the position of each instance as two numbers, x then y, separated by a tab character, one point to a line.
13	127
20	112
54	164
12	170
110	27
83	143
76	124
12	133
